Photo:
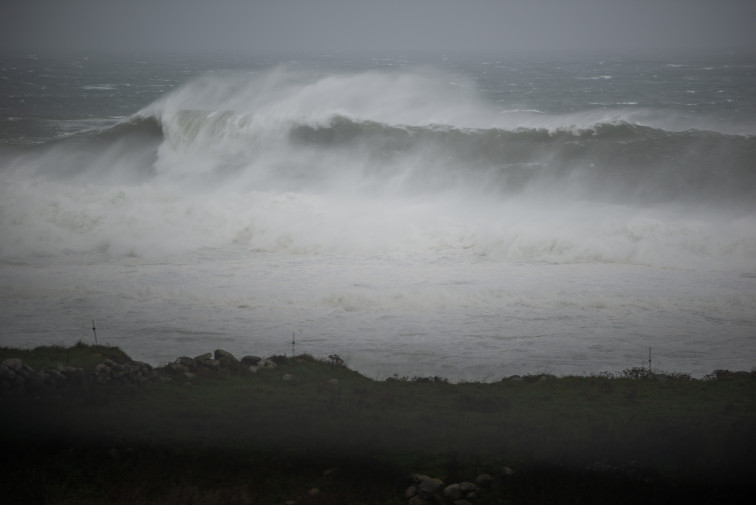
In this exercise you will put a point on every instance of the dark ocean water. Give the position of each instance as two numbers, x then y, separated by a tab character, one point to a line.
471	217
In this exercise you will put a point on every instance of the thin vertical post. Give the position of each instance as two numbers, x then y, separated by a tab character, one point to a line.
94	330
293	343
649	360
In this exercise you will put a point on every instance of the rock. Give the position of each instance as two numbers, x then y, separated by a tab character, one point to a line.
35	380
331	472
251	360
452	492
55	376
287	377
333	382
467	487
429	487
211	363
67	370
253	368
112	365
418	500
178	367
417	478
102	369
484	480
228	364
506	472
268	363
190	375
6	373
410	491
221	354
204	357
14	364
186	361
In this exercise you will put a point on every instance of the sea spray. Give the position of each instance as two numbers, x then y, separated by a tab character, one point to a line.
400	218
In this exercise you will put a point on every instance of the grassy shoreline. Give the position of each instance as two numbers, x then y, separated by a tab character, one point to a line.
213	431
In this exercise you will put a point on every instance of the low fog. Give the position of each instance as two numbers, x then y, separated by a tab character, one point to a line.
388	26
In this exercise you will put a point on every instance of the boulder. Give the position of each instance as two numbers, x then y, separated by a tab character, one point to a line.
211	363
452	492
36	379
67	370
178	367
55	376
251	360
14	364
142	365
229	364
113	365
429	486
102	369
6	373
221	354
505	472
204	357
186	361
484	480
410	491
467	487
331	472
418	500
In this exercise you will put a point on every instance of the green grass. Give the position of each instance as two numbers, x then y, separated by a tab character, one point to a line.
255	438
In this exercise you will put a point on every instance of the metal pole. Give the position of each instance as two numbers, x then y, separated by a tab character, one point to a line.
94	330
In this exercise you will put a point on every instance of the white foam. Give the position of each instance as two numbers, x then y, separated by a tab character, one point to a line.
237	236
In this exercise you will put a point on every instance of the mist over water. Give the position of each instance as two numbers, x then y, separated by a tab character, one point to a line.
413	219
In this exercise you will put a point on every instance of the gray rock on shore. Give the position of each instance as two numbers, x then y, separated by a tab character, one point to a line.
18	377
426	490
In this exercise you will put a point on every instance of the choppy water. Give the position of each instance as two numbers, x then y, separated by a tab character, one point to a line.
467	218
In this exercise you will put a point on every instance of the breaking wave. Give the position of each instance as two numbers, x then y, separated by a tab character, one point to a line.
378	161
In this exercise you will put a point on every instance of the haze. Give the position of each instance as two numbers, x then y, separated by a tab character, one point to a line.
243	26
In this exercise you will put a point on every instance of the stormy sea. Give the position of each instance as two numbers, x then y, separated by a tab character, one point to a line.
471	218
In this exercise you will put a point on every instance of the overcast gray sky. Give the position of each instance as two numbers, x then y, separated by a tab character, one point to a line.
257	26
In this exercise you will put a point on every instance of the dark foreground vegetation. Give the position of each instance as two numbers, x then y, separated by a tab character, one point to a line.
86	424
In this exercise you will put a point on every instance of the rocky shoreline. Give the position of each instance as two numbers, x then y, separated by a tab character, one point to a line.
17	377
212	421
